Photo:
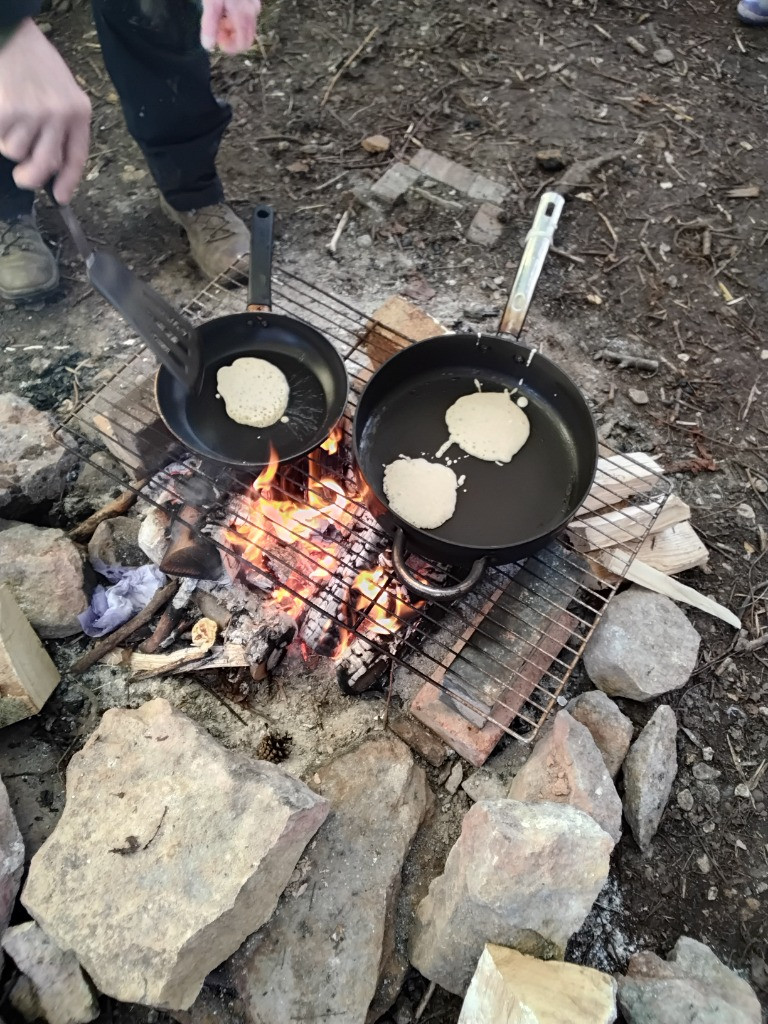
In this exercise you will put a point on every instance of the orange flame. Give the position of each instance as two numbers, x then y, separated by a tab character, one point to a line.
270	518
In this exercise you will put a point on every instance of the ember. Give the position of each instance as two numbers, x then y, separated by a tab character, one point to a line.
325	527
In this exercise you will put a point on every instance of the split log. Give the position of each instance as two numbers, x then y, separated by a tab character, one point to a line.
395	324
621	477
655	580
27	675
623	526
195	660
674	550
131	429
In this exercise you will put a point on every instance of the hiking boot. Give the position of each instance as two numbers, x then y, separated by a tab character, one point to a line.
217	237
28	270
753	12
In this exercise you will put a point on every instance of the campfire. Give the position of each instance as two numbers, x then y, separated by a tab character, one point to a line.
337	567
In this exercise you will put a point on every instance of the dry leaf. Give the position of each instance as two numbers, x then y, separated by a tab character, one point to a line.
376	144
298	167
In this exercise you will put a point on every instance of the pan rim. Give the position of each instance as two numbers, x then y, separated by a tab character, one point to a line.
335	411
431	538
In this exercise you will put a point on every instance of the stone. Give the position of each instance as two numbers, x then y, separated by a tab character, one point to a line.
692	984
116	542
57	985
649	771
511	987
638	396
153	535
424	742
519	875
610	728
703	772
457	176
453	781
33	465
643	646
170	851
567	768
685	800
44	570
486	226
11	861
551	160
376	144
27	675
326	949
663	55
395	182
484	785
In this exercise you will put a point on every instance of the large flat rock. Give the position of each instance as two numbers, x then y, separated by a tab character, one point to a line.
33	465
330	943
11	861
519	875
643	646
649	771
44	570
566	767
170	851
511	988
610	728
692	984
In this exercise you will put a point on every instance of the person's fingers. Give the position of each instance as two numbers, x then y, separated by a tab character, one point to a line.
241	25
44	160
17	143
209	23
73	162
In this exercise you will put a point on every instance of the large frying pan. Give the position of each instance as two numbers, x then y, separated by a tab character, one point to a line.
503	513
315	372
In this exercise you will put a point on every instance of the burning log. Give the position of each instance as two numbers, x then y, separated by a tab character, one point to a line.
267	647
189	553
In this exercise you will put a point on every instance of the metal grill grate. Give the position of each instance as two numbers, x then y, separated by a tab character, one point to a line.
500	657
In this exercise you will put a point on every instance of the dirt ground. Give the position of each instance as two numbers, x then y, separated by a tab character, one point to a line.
661	254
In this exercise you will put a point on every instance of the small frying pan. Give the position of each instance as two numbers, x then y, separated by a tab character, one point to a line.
314	369
503	513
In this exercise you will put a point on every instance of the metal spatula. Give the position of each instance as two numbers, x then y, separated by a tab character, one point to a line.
169	334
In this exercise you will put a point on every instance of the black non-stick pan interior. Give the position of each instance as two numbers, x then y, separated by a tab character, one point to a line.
315	373
499	507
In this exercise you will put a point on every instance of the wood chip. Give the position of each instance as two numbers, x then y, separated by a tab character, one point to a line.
743	192
376	144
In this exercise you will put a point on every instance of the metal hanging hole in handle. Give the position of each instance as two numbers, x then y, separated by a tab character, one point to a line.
429	591
537	245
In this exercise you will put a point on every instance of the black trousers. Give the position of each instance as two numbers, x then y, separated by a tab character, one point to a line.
152	52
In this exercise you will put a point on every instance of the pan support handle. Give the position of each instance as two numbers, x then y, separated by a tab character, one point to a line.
429	591
537	246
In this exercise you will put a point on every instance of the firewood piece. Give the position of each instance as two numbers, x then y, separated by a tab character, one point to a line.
97	652
393	325
620	477
132	430
161	664
225	656
424	742
674	550
578	174
27	675
166	624
117	507
655	580
623	526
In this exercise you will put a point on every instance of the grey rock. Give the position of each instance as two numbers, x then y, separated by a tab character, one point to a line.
453	781
519	875
566	767
663	55
330	942
57	985
11	860
153	538
98	481
685	800
638	396
703	772
611	729
484	785
171	850
643	646
116	542
692	984
44	570
33	465
649	771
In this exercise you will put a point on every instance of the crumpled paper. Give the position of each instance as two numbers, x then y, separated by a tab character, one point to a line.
131	590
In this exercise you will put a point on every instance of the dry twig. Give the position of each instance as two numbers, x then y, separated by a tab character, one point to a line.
350	60
117	507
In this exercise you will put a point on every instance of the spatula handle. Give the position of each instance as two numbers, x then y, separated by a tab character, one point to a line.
260	277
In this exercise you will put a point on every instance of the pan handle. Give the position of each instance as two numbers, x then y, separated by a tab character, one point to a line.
428	590
260	276
536	248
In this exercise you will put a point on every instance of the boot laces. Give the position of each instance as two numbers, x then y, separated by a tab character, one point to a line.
17	236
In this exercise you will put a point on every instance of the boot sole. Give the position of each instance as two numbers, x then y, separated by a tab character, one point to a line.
27	298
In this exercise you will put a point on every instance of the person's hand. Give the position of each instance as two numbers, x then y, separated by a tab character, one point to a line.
229	24
44	114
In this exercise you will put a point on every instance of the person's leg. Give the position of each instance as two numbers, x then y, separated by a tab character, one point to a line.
162	75
28	270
